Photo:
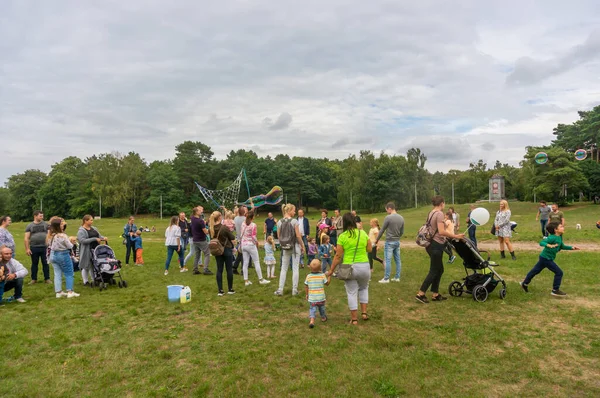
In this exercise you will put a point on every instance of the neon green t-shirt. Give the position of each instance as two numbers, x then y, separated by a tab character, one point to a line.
348	242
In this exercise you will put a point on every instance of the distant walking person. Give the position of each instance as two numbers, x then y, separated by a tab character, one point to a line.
472	227
89	238
35	246
393	227
543	215
503	229
129	232
200	241
556	216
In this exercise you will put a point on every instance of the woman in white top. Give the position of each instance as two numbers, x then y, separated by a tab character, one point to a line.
249	244
173	243
60	257
503	230
289	211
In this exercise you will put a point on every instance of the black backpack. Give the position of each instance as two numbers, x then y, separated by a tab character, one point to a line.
287	234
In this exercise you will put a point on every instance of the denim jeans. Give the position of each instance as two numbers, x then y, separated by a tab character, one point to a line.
184	244
63	265
305	241
472	234
129	249
543	224
16	284
37	254
324	263
539	267
392	249
312	312
170	251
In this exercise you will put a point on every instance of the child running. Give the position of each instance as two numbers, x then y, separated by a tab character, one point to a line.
552	245
313	249
138	248
270	257
373	233
315	292
325	252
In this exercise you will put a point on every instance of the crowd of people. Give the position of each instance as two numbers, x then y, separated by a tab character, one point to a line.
339	241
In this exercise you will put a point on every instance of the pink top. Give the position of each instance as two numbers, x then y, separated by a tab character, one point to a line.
229	224
249	234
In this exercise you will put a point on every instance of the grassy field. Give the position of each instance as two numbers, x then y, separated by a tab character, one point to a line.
133	342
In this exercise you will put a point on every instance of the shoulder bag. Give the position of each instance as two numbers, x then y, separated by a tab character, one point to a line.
344	272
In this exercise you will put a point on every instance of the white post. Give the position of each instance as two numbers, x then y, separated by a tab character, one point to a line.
100	214
161	207
42	205
416	203
350	200
452	192
534	197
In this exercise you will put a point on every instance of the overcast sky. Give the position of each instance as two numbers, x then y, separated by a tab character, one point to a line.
461	80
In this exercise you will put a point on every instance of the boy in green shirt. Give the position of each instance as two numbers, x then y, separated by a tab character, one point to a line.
552	245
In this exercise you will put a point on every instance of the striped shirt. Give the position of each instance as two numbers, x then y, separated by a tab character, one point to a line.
316	286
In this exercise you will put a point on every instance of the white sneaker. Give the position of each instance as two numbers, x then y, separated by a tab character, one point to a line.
264	282
21	300
384	281
294	292
182	269
247	283
72	294
395	279
278	293
166	272
61	294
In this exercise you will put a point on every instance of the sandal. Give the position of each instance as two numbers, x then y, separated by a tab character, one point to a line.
365	316
324	319
353	321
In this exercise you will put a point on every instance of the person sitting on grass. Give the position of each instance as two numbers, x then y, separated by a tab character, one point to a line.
13	274
552	245
315	292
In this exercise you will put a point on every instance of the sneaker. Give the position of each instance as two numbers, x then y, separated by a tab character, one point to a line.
558	292
524	287
264	282
33	282
294	292
48	282
207	272
21	300
196	272
278	293
451	260
72	294
185	269
311	325
439	297
247	283
221	293
395	279
384	280
61	294
422	299
10	299
231	292
166	272
182	269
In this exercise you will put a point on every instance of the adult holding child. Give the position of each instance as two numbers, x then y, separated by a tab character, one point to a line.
89	238
223	234
292	248
435	250
6	238
60	257
129	231
352	248
249	244
503	229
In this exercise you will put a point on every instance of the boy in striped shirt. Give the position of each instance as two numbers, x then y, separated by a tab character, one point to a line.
315	291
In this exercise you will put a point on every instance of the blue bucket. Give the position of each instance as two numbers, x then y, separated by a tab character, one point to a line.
174	292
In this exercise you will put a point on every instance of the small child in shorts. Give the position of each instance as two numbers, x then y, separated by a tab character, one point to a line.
315	292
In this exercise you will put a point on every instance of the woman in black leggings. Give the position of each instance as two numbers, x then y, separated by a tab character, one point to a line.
225	260
436	251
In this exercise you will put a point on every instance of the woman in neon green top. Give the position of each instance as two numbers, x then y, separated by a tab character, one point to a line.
352	246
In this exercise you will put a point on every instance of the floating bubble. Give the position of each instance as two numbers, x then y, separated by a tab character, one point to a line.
541	158
273	197
580	154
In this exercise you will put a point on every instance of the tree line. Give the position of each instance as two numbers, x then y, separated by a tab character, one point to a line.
127	184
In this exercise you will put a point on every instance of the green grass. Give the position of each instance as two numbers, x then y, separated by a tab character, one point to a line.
132	342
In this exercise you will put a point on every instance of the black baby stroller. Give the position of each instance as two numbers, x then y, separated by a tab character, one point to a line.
484	279
106	267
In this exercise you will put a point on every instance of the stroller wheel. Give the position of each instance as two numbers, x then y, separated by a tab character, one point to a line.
502	293
480	293
455	289
120	284
124	284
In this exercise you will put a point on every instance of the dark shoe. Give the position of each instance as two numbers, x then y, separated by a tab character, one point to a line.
231	291
558	293
439	297
502	254
236	272
48	282
512	254
221	293
251	266
311	325
196	272
207	272
524	287
422	299
33	282
451	260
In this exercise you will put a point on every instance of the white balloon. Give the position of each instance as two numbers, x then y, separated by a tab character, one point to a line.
480	216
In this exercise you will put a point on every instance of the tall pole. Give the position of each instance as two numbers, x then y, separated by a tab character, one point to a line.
452	192
416	202
534	197
42	205
161	207
350	200
100	205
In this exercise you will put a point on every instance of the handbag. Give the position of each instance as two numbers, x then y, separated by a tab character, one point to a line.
493	230
344	272
215	246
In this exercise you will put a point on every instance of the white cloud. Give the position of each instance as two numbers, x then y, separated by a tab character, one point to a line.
303	78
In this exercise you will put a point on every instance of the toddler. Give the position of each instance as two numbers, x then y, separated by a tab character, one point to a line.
325	252
315	291
139	250
74	253
449	223
552	245
228	221
270	257
312	249
373	233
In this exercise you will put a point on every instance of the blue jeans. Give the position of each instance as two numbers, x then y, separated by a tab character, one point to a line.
313	310
472	234
305	241
392	249
543	224
539	267
170	251
16	284
184	244
63	265
324	263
